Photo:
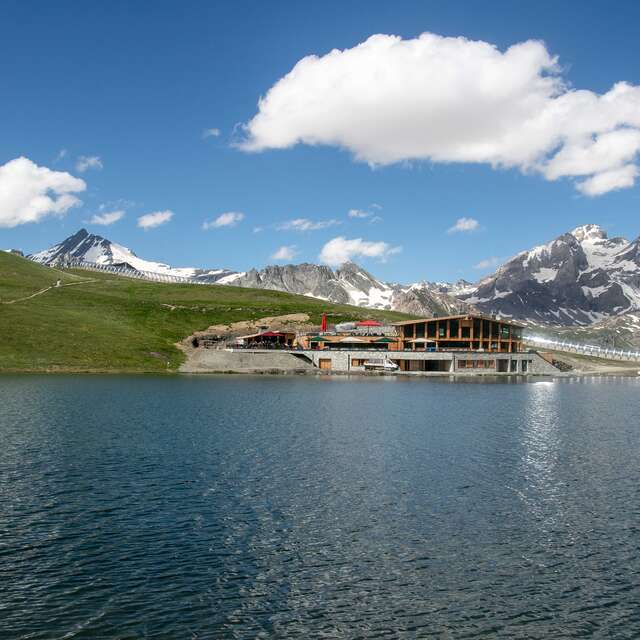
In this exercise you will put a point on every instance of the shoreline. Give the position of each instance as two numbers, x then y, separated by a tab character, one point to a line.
604	372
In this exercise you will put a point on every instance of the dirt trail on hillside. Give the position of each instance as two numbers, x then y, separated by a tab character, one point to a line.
39	293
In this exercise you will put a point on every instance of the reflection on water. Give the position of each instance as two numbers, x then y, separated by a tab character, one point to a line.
540	444
294	507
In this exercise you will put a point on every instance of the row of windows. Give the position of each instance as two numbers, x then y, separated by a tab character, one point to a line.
486	328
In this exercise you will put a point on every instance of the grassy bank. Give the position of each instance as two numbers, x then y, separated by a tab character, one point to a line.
99	322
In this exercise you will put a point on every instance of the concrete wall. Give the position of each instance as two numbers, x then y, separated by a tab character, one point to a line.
244	361
275	361
341	361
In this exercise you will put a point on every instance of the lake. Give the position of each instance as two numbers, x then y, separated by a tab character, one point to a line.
298	507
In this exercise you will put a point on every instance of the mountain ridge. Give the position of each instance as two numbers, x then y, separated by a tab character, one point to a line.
581	278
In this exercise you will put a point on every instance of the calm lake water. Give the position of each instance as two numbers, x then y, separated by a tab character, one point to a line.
291	507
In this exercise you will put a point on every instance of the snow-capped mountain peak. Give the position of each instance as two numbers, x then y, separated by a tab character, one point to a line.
94	248
578	278
589	232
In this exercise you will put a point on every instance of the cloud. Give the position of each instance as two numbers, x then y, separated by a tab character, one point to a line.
155	219
609	181
210	133
441	99
488	263
108	218
285	253
304	224
29	193
360	214
258	229
229	219
464	225
88	162
340	250
60	156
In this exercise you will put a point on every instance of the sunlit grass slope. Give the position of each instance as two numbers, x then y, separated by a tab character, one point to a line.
100	322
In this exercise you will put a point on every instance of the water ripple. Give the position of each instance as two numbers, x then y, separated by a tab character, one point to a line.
297	508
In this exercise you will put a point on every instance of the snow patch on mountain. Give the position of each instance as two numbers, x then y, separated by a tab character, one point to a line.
579	278
93	248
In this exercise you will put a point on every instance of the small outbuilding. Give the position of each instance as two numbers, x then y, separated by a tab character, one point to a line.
268	340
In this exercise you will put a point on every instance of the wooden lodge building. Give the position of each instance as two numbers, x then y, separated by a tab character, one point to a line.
467	332
460	333
466	344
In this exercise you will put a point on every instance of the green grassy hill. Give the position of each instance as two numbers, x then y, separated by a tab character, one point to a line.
100	322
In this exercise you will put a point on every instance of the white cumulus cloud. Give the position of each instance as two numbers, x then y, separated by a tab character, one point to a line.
304	224
29	193
229	219
155	219
211	133
340	250
447	99
488	263
606	181
107	218
464	225
88	162
285	253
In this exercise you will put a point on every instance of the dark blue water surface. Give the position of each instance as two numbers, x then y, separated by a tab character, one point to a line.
286	507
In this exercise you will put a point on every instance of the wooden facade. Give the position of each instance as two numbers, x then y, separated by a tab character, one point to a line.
463	332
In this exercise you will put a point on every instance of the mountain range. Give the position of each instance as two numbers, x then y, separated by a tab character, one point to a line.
583	278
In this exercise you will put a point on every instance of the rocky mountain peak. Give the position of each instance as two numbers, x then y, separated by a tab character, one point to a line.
589	232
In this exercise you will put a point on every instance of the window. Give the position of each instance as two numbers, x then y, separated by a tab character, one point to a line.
466	332
486	329
420	331
476	328
357	362
407	331
442	331
514	366
431	329
504	331
454	328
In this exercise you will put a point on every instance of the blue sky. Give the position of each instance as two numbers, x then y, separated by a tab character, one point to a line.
137	84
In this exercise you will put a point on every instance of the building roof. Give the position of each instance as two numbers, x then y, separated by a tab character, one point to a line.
464	316
368	323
